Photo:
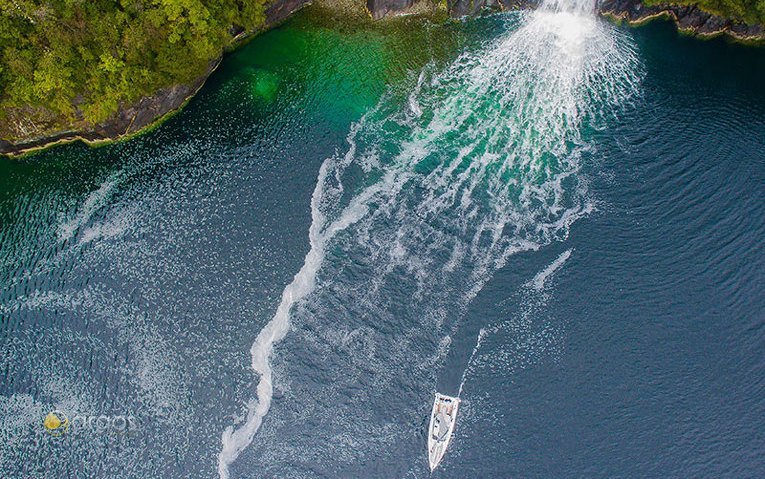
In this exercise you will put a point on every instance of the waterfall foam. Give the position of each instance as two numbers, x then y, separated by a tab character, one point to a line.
432	197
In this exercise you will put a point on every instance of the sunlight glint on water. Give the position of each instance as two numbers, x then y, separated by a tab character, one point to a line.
479	164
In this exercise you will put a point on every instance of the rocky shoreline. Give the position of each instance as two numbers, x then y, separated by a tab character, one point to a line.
689	19
150	111
128	122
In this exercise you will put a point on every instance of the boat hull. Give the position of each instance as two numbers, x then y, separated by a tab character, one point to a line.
443	419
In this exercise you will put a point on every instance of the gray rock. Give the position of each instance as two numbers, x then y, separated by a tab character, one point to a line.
382	8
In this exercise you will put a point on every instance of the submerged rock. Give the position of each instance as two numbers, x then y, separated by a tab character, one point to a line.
264	84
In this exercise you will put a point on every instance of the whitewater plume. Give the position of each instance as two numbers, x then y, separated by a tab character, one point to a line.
438	188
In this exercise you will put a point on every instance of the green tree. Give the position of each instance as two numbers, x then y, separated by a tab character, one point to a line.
75	60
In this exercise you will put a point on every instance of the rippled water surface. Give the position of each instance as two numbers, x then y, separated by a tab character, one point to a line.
346	208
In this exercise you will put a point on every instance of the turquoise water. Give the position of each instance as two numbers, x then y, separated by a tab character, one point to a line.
602	229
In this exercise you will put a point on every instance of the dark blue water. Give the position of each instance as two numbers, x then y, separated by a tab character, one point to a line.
657	369
135	278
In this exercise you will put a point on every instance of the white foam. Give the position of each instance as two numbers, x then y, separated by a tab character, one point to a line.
94	201
235	440
540	278
414	105
108	229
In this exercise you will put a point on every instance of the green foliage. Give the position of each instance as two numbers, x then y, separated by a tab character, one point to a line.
747	11
83	58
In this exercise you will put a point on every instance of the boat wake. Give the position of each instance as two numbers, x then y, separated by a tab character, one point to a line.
541	278
532	299
439	187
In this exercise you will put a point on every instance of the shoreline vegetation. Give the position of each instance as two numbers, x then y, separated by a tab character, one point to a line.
105	71
75	84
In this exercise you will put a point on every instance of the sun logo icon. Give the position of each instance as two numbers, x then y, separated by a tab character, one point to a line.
56	423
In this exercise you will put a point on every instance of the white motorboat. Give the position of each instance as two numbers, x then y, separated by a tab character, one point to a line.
442	421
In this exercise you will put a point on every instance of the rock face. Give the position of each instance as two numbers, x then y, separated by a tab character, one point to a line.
382	8
127	121
148	110
280	10
461	8
687	18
